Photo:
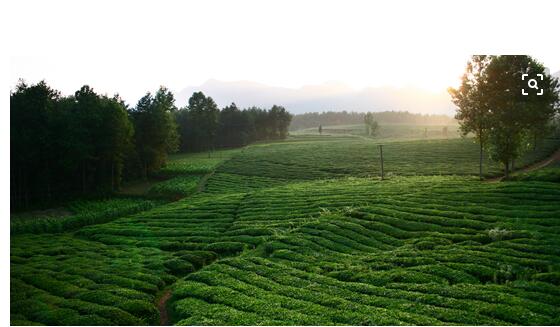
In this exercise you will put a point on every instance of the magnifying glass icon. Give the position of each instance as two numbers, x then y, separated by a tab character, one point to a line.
532	83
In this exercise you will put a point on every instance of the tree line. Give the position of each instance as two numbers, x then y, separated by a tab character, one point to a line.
203	126
331	118
493	107
87	143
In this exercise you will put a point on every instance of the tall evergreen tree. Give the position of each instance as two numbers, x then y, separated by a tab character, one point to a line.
155	129
279	121
199	123
76	143
31	110
119	139
234	127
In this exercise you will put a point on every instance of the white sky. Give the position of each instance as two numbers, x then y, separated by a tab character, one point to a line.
133	47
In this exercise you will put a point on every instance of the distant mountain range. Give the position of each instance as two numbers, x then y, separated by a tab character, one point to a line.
329	96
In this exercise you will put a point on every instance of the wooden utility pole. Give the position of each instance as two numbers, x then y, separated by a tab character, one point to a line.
381	156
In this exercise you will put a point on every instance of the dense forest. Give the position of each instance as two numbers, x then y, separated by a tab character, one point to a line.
329	118
88	143
203	126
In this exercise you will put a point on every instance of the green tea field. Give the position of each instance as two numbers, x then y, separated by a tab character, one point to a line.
389	131
304	232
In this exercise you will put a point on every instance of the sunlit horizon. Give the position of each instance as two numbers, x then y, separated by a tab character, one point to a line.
59	74
418	86
356	44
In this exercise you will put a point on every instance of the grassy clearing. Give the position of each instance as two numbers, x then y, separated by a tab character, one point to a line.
196	163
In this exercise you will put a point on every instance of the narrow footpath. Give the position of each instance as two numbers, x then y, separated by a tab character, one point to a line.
537	165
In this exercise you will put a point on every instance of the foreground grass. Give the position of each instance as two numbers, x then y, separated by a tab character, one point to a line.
411	250
417	250
284	233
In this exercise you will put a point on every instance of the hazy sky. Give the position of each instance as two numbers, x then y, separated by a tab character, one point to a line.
133	47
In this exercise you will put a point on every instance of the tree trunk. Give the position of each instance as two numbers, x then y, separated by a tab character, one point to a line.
84	177
22	187
49	193
381	157
480	163
535	142
18	187
506	171
112	176
26	188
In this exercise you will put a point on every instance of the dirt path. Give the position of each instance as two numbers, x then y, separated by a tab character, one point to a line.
202	182
162	302
537	165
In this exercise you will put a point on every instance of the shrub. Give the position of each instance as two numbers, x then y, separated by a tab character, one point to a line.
179	267
198	258
498	234
176	187
226	248
552	278
141	309
429	243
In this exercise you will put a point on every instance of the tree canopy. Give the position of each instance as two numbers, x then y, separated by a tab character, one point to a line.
202	126
156	129
493	107
61	145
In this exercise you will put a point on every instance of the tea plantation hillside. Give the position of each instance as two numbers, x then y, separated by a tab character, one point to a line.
303	232
312	157
420	250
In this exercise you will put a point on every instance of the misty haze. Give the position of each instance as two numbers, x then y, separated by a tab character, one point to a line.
331	96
